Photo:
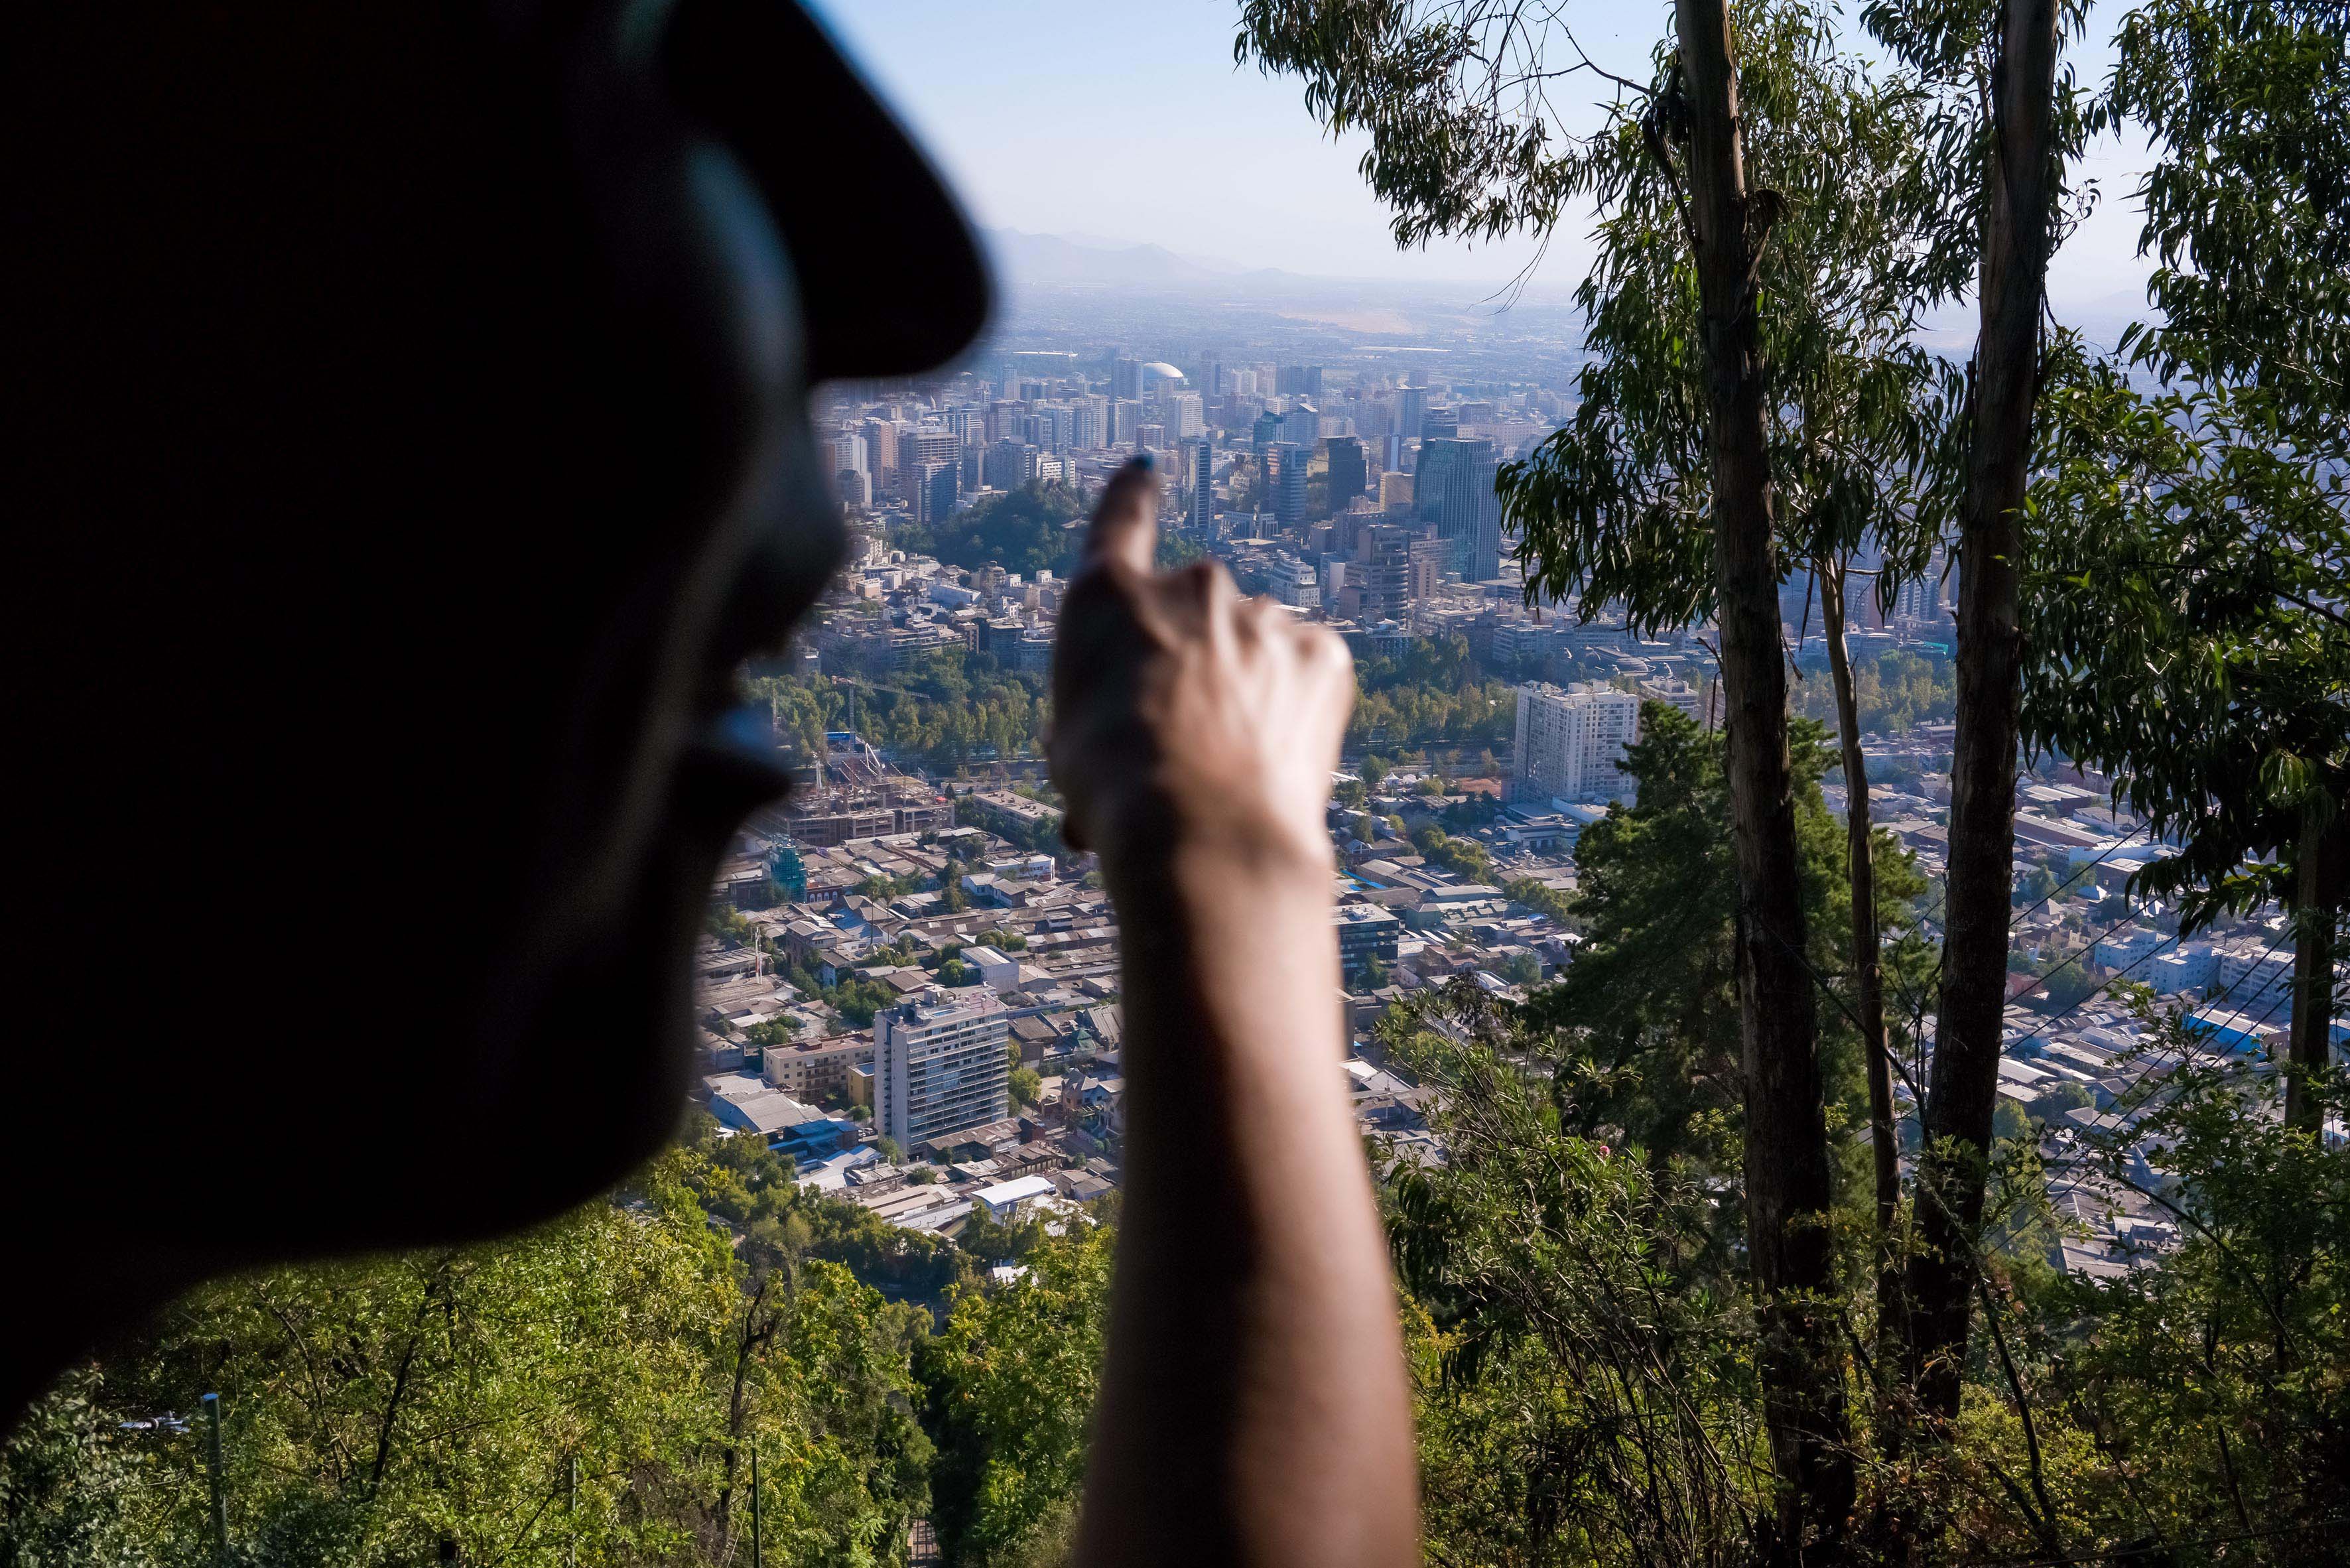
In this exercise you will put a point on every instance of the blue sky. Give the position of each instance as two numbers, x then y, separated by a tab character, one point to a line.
1128	123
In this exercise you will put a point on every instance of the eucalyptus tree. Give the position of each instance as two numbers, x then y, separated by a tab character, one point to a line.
2189	612
2212	623
2010	121
1768	231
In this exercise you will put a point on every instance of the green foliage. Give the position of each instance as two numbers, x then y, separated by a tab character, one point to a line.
396	1409
1585	1385
1648	1011
1892	693
2249	108
1011	1383
1543	901
780	1030
1464	858
1434	692
940	707
2185	600
1025	531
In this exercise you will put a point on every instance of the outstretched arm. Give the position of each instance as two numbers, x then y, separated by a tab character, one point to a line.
1253	1409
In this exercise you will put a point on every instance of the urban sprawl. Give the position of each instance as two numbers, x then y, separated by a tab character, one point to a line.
911	987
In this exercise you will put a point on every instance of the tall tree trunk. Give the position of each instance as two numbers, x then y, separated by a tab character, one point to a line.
1868	976
1964	1083
2317	902
1787	1157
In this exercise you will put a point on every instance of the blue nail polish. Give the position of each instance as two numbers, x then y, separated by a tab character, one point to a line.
1143	461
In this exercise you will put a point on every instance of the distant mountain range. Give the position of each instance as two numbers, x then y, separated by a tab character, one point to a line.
1086	260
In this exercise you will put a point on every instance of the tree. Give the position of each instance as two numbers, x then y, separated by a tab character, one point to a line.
1010	1384
2195	549
2010	132
1567	1317
1726	190
1375	770
1649	1040
434	1406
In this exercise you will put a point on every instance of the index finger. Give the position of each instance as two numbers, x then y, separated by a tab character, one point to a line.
1125	529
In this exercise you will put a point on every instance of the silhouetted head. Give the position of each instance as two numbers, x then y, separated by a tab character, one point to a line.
409	412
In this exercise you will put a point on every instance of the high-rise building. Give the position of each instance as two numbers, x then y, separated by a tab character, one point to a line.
1299	380
1439	424
1286	482
1262	434
941	484
1125	379
937	1066
919	449
1395	492
1125	419
1350	474
1570	742
1203	486
1453	489
1411	410
848	453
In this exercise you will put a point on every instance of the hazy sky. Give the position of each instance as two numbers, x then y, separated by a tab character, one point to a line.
1126	121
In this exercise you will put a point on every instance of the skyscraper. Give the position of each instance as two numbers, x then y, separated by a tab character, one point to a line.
937	1066
1570	742
1203	486
1287	481
1453	489
1125	379
1350	474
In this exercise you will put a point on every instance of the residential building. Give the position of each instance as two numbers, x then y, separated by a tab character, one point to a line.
1571	741
939	1065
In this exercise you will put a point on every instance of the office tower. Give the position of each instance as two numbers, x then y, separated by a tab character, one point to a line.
881	446
935	494
1570	742
1453	489
1299	380
1477	413
1286	482
1412	409
1125	421
856	487
1203	486
1053	426
1395	492
1302	424
1391	452
918	449
938	1066
1262	434
1350	474
1439	424
1125	379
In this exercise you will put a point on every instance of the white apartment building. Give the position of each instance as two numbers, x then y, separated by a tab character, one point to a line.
1571	741
939	1065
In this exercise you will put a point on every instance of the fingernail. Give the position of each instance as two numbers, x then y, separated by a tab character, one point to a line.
1141	462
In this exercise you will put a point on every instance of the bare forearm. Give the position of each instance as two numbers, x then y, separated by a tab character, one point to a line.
1254	1407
